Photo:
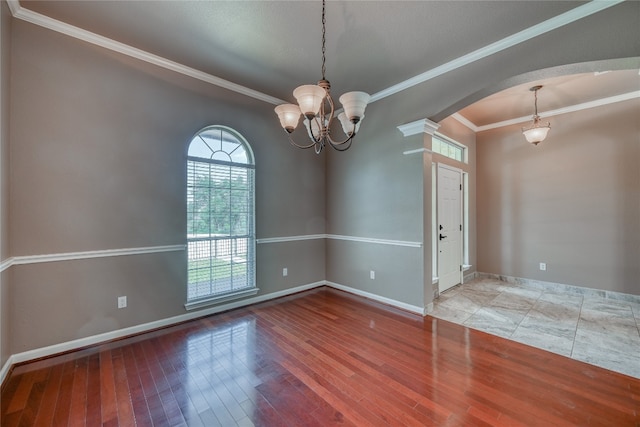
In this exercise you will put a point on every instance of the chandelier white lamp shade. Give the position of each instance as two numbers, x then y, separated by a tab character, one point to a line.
317	107
538	131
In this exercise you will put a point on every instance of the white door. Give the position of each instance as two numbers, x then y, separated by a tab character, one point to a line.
449	227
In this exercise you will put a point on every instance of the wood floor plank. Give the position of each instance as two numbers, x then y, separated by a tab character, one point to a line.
318	358
79	393
94	399
47	408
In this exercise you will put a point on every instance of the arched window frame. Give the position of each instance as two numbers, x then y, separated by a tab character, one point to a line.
220	204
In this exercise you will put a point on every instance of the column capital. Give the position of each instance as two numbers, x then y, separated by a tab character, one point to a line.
419	126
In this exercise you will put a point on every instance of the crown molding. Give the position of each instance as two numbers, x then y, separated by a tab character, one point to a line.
568	17
564	110
466	122
27	15
507	42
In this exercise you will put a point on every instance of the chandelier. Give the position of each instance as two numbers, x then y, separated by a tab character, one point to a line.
537	132
317	107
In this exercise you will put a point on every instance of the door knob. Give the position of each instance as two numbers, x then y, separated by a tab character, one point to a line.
442	237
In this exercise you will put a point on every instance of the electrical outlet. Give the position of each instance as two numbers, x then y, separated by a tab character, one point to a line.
372	275
122	302
285	272
543	266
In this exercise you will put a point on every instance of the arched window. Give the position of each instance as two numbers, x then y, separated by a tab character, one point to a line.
220	217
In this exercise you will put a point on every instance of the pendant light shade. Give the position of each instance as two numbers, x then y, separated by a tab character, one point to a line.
309	99
289	114
536	135
354	104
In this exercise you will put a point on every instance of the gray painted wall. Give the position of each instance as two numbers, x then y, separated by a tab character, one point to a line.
374	191
572	202
98	147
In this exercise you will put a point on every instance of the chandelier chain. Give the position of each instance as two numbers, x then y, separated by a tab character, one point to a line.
323	41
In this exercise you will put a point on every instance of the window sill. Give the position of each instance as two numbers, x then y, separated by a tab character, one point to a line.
219	299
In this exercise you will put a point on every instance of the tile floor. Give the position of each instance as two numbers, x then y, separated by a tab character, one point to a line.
602	332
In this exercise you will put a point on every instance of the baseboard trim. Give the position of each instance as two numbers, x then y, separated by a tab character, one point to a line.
68	346
561	287
6	368
422	311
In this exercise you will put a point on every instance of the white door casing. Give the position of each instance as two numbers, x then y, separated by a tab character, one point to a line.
449	226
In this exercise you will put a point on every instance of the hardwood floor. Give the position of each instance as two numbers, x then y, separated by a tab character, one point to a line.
318	358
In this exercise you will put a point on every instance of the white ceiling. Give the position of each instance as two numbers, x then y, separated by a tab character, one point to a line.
274	46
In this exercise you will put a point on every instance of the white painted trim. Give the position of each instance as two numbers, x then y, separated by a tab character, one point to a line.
419	126
6	264
564	110
14	6
70	256
291	238
422	311
416	151
341	237
27	15
507	42
145	327
428	309
5	368
464	121
376	241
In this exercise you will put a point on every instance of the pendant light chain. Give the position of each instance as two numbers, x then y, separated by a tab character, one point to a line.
323	42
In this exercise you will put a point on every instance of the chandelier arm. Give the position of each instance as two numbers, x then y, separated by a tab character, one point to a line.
338	143
314	138
341	146
301	146
332	111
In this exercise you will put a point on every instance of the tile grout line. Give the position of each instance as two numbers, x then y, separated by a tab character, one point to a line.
575	333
